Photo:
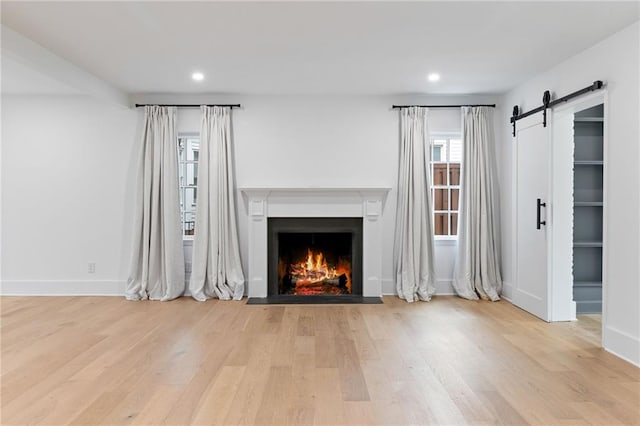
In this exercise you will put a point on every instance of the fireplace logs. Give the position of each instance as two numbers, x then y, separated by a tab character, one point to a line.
306	286
314	275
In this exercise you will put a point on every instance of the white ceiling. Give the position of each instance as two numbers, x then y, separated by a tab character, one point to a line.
316	47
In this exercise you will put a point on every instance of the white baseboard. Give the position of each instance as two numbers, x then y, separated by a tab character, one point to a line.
507	291
622	345
443	287
62	288
67	288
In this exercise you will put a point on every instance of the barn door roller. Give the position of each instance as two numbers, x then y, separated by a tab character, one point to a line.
548	103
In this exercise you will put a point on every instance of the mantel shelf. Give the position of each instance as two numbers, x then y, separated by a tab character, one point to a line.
316	189
323	192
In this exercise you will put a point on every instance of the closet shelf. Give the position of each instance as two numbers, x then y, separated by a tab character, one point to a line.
587	203
587	283
588	162
589	119
587	243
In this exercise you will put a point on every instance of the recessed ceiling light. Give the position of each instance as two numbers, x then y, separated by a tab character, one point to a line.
434	76
197	76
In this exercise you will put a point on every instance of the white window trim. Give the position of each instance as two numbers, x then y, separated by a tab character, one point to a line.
444	240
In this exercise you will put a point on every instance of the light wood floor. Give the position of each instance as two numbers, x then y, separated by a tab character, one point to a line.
90	360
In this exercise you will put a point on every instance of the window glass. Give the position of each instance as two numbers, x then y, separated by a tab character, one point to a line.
437	153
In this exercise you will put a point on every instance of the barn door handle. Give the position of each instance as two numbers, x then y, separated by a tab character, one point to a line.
538	221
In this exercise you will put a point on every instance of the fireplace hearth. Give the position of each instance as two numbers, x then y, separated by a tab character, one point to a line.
315	257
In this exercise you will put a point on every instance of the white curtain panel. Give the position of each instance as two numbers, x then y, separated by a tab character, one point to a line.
216	270
157	267
413	245
477	270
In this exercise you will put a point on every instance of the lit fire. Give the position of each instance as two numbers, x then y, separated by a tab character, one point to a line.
314	276
313	269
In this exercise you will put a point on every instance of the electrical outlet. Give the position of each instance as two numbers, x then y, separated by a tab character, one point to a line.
91	267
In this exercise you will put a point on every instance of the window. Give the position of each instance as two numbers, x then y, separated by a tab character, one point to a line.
188	150
446	155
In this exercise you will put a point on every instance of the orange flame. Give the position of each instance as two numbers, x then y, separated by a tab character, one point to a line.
314	267
313	273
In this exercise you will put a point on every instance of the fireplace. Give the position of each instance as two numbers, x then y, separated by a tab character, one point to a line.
264	205
315	257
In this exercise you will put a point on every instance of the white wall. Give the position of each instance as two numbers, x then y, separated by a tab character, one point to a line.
67	169
67	197
615	61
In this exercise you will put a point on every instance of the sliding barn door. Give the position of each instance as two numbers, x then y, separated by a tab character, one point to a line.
531	291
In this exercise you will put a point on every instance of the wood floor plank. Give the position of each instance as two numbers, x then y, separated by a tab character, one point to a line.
253	384
325	349
328	404
21	387
595	415
439	404
99	408
504	411
216	400
359	412
528	402
352	383
104	360
274	407
158	406
305	325
185	407
284	352
301	410
462	395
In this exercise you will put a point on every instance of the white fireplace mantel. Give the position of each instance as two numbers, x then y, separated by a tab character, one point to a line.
367	203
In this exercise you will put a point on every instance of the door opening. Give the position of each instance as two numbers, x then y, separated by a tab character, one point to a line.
577	285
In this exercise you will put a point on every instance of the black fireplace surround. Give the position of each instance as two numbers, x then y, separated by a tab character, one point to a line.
292	240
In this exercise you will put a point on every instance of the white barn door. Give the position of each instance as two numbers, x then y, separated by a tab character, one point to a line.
531	290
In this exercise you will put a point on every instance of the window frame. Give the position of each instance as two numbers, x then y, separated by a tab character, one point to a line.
448	136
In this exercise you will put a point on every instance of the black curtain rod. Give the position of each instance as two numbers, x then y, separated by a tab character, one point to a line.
190	105
548	103
442	106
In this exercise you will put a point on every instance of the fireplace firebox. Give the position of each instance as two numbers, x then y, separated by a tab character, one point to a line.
319	257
